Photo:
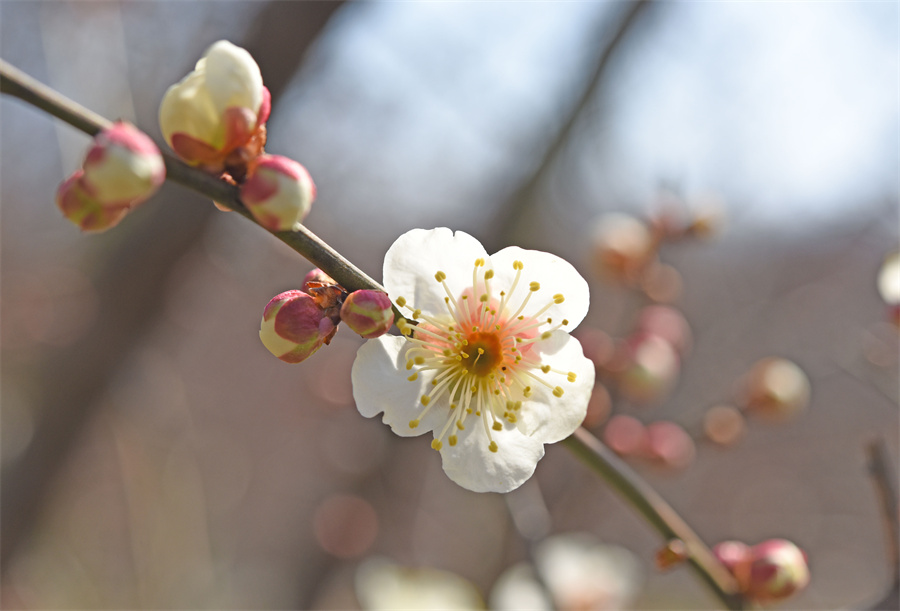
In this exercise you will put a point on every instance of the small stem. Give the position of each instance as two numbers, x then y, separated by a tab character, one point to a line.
584	445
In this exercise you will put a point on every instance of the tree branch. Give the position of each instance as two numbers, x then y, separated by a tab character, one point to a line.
643	497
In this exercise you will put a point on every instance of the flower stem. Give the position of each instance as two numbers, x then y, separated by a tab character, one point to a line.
641	495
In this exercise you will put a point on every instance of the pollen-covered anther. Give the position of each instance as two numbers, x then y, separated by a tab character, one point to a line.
558	391
534	286
440	276
571	377
493	447
497	426
437	445
425	400
401	301
545	368
413	424
452	439
558	298
413	377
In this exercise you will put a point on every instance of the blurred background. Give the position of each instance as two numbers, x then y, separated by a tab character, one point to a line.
155	455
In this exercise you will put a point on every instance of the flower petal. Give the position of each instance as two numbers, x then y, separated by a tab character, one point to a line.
555	275
545	416
412	261
473	466
380	385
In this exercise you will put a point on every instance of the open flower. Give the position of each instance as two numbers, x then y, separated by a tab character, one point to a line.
490	369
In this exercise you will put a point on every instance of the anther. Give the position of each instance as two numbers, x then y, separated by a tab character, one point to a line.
497	426
558	391
518	265
558	298
440	276
425	399
565	321
546	335
493	447
452	440
436	445
416	314
479	262
546	368
409	364
401	301
413	377
571	377
413	424
489	274
534	286
419	360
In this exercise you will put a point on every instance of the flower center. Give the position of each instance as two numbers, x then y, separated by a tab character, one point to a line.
480	354
484	353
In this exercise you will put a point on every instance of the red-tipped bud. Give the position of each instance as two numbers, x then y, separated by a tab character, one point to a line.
778	569
368	313
215	117
79	206
293	326
123	167
776	388
278	192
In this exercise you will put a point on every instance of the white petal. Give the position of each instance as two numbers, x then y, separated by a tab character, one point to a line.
473	466
549	418
555	275
232	77
187	109
412	261
380	384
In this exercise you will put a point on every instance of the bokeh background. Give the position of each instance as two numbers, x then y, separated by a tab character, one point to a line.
155	455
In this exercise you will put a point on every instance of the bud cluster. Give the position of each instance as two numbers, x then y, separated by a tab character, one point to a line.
215	119
122	168
296	323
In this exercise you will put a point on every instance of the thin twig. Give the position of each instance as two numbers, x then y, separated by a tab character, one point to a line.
885	481
643	497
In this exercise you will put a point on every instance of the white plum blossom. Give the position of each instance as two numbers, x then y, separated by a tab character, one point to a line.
490	369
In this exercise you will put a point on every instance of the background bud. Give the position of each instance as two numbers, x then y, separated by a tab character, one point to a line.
776	388
651	368
317	276
368	313
778	569
623	247
278	192
123	167
293	327
735	556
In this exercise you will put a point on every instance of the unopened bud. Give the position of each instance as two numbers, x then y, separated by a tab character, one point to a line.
293	326
79	206
776	388
217	111
278	192
123	167
368	313
778	569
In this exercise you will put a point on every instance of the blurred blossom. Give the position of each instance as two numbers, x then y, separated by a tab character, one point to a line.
345	526
626	435
482	349
723	424
662	283
669	324
670	444
776	388
623	247
579	572
651	368
778	570
889	280
214	118
597	344
384	586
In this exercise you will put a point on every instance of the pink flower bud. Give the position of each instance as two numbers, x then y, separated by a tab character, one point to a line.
368	313
79	205
778	569
293	326
216	114
278	192
123	167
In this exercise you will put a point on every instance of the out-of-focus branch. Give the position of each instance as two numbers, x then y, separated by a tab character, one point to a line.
885	481
646	500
